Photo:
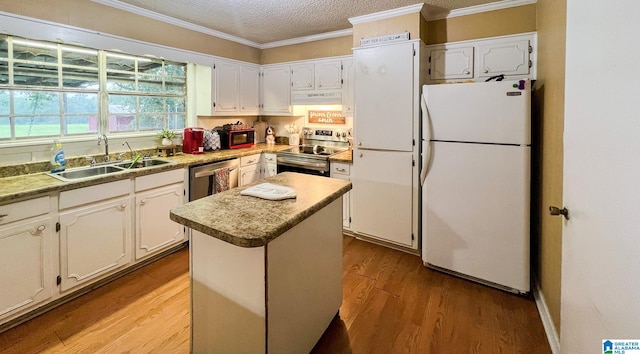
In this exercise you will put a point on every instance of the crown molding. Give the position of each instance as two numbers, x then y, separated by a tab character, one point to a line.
312	38
174	21
472	10
387	14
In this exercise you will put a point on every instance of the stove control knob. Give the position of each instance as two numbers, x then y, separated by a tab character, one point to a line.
344	135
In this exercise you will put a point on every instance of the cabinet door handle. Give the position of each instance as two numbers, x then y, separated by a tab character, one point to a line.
3	215
143	201
38	230
341	169
122	206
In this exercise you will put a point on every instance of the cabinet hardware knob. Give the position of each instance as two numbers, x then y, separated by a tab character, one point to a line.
360	144
485	71
341	170
38	230
360	154
557	211
143	201
122	206
467	72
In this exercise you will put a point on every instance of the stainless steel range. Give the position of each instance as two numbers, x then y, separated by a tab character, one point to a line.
312	156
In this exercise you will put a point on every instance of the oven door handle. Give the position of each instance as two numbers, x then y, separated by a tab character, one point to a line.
319	166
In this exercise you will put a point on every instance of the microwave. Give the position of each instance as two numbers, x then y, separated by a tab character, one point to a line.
236	138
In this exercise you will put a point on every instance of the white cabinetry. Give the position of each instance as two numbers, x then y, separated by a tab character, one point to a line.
227	87
341	171
302	77
276	90
385	176
250	170
513	56
26	262
348	76
95	232
204	86
155	195
236	88
317	75
509	57
249	89
451	63
270	165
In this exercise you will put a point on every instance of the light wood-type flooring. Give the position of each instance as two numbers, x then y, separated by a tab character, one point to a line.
391	304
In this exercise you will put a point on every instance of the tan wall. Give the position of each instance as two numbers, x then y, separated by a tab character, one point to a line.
311	50
513	20
549	126
89	15
399	24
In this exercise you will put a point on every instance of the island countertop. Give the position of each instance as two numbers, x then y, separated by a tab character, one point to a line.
252	222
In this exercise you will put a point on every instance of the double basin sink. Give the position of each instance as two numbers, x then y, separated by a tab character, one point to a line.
115	167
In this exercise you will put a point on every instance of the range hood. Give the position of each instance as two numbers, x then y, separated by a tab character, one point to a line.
316	97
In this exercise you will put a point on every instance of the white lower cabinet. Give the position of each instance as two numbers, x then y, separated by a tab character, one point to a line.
270	165
95	232
154	230
250	169
27	272
342	171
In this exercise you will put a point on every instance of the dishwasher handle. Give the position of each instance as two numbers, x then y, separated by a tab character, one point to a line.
208	171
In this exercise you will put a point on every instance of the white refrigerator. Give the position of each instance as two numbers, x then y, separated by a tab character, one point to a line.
475	175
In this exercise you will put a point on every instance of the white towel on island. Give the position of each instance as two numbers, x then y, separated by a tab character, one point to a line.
270	191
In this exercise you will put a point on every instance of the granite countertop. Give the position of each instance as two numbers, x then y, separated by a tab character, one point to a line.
252	222
345	156
33	184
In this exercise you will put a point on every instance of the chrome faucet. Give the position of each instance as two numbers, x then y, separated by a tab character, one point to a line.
106	146
130	150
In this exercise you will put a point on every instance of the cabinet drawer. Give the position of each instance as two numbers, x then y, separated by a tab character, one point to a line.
95	193
249	160
159	179
340	169
22	210
270	158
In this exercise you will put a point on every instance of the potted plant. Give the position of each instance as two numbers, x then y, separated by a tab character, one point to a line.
166	135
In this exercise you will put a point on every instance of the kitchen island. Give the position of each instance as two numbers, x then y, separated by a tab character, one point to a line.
266	276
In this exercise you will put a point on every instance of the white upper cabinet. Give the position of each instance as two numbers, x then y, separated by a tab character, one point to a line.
513	56
236	88
451	63
302	77
317	75
508	57
328	75
204	84
250	89
276	90
348	74
227	87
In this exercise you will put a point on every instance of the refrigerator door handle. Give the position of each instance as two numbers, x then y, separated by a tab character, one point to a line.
426	141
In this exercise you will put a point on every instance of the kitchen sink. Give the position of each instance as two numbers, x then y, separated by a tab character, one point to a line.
85	172
143	163
94	171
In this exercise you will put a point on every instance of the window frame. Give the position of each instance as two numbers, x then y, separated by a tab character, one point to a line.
102	113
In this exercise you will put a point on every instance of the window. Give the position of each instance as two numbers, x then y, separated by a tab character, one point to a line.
51	90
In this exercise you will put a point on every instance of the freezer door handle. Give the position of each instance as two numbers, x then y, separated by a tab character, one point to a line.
426	140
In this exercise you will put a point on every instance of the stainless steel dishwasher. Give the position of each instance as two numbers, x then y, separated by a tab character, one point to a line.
201	178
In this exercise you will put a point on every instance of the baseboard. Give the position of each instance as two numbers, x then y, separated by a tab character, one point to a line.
547	322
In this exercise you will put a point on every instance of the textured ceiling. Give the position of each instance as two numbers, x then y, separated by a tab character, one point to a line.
266	21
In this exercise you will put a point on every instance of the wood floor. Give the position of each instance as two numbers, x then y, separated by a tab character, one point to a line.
391	304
